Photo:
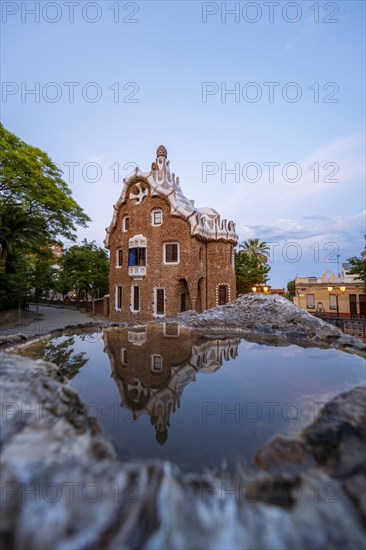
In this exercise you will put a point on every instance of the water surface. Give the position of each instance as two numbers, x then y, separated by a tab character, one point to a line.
159	392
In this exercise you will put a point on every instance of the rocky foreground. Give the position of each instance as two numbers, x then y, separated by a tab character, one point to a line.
63	488
271	318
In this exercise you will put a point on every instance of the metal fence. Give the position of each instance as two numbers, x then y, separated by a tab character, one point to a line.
355	327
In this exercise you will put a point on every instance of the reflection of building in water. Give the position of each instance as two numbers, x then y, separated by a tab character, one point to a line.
153	365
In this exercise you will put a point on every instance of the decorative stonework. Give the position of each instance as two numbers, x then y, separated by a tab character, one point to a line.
217	292
142	193
161	151
205	222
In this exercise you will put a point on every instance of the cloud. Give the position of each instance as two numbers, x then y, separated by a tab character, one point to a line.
342	229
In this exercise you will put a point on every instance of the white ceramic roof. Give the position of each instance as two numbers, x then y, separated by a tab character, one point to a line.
205	223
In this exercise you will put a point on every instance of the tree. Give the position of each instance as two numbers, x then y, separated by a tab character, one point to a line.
249	272
19	233
64	356
358	267
42	276
30	180
291	292
87	269
36	210
15	286
256	250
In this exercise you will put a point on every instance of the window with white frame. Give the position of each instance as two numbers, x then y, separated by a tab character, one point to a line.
159	302
156	364
118	298
125	223
171	330
157	217
119	257
171	253
124	356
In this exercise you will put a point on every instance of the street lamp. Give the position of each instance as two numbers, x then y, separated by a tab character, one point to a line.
254	289
265	288
337	292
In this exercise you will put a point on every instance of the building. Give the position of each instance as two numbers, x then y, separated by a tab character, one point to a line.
332	295
166	255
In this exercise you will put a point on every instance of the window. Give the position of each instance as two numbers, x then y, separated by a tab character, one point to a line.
310	301
156	364
125	223
118	297
160	301
200	254
119	257
222	295
353	304
135	298
137	256
124	356
332	301
171	330
171	253
157	217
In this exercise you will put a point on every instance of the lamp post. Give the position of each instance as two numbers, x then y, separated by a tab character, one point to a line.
337	292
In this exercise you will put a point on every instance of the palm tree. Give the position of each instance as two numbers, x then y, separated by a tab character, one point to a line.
256	250
18	230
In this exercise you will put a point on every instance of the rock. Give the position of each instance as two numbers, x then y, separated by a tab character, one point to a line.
338	437
272	316
285	455
63	488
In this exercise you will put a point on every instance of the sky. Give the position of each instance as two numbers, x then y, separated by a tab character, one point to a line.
260	105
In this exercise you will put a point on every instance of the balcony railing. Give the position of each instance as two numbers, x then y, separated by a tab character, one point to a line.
137	270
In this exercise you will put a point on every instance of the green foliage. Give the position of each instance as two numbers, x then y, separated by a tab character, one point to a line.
15	286
64	356
358	267
86	268
291	292
42	276
19	233
256	250
31	181
36	210
251	266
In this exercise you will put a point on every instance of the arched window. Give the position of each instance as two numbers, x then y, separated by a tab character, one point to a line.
125	223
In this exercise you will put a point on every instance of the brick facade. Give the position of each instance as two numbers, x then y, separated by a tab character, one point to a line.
178	256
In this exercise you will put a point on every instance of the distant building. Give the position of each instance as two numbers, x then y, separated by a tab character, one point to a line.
166	255
347	295
279	291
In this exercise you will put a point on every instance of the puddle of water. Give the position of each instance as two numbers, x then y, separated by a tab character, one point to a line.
201	403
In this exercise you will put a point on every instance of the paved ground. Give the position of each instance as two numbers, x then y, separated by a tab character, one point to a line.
50	318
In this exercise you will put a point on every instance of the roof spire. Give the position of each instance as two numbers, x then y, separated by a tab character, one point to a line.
161	151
